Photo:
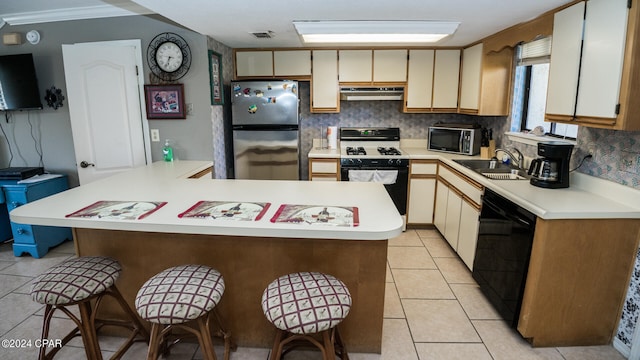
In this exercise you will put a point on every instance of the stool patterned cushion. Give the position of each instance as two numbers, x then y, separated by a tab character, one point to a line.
180	294
306	302
75	280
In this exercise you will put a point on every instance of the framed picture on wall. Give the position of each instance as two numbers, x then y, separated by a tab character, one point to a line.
215	78
165	101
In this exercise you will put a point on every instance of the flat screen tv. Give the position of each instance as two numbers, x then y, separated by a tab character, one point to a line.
18	83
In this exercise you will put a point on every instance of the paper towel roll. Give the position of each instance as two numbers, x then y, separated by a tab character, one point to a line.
332	137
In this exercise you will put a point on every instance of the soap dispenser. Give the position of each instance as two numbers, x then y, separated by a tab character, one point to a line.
167	151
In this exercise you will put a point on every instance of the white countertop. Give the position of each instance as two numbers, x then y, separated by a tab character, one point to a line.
587	197
162	181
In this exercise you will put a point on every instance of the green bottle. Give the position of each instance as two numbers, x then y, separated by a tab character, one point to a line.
167	151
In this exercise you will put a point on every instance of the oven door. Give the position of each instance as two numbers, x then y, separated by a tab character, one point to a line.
397	190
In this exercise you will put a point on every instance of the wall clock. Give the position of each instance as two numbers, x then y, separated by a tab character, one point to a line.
169	56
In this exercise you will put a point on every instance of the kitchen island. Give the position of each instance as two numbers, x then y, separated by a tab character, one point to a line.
249	254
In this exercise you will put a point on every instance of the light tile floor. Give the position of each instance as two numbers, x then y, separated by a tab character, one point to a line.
433	310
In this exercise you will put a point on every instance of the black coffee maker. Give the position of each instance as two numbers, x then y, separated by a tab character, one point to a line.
552	169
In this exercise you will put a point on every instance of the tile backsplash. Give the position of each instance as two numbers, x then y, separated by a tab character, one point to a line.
616	154
365	113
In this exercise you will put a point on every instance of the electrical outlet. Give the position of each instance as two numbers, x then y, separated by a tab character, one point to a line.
155	135
592	150
628	162
189	108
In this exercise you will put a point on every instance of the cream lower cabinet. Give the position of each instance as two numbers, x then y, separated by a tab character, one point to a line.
457	210
452	217
468	232
440	209
422	186
324	169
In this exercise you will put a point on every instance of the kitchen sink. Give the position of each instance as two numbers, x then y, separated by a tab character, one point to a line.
474	164
496	170
501	174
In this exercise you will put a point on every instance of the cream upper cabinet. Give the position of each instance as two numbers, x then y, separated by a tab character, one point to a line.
254	63
471	77
292	62
565	60
419	89
446	77
605	33
324	81
355	65
390	65
587	59
432	81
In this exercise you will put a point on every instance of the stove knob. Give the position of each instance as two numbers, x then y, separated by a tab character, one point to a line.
351	161
398	161
390	162
359	161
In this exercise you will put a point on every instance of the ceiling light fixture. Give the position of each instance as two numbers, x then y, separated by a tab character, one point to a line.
374	31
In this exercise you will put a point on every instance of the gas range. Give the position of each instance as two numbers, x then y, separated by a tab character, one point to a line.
380	150
371	146
374	155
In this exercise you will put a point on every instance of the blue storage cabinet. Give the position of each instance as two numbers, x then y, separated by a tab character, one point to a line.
32	239
5	225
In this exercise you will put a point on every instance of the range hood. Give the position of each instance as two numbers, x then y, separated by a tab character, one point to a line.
371	93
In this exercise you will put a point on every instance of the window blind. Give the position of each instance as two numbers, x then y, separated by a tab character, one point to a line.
534	52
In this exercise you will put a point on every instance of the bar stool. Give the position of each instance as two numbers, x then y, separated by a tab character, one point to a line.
307	307
183	297
83	281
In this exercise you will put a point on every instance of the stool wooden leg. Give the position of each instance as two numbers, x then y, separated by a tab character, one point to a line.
155	341
341	349
328	350
137	324
276	351
229	344
48	314
204	337
88	332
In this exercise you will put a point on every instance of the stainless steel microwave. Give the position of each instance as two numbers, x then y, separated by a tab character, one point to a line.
455	138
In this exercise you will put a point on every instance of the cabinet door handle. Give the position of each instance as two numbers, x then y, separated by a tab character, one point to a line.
15	204
21	231
85	164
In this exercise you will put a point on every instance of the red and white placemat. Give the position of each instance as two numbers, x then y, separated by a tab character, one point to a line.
317	215
227	210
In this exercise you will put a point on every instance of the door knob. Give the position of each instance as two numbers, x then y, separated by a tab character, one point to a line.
85	164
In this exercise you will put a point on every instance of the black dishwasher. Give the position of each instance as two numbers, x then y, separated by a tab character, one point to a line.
505	236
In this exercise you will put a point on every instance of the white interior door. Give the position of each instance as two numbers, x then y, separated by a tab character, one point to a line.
105	95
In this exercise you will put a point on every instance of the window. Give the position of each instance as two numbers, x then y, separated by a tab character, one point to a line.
530	90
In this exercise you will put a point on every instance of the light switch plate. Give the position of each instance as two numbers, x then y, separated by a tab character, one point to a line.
155	135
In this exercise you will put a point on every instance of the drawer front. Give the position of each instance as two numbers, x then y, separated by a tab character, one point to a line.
324	166
324	178
461	184
422	168
23	234
15	197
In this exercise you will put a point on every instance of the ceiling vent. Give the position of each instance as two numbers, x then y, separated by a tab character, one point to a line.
264	34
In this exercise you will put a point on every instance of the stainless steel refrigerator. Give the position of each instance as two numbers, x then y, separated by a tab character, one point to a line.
264	118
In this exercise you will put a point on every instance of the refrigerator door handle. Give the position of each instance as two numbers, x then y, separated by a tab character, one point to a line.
266	127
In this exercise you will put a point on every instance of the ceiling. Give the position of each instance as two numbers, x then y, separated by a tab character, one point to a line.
232	22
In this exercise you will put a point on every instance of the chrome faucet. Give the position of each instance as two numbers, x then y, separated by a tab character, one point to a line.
519	159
